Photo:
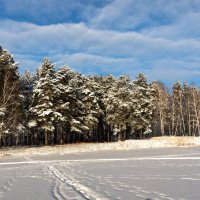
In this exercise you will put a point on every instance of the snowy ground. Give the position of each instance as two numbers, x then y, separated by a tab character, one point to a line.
156	142
143	174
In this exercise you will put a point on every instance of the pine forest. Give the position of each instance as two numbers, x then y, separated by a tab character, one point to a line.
60	106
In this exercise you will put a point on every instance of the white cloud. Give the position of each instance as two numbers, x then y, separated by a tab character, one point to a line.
138	15
78	37
186	27
92	50
135	14
92	64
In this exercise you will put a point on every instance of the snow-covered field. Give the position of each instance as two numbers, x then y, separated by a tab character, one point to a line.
151	173
156	142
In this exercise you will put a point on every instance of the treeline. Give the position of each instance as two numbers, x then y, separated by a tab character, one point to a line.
62	106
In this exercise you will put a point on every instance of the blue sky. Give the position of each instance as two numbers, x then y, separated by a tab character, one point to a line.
160	38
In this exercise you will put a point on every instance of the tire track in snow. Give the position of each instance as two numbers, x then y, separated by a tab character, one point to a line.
82	191
56	191
116	185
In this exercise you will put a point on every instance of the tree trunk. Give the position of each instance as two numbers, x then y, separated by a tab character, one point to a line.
140	135
62	135
46	137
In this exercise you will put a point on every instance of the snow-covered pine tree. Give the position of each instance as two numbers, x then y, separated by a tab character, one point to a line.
65	101
107	104
124	107
76	108
91	107
43	109
143	99
83	107
118	106
27	81
98	90
9	98
113	97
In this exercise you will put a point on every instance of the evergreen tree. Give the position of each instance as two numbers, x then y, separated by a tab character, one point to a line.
84	115
91	107
26	90
143	101
122	105
67	103
43	110
108	105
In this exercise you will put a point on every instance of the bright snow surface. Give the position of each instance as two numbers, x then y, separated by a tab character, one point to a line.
159	173
122	170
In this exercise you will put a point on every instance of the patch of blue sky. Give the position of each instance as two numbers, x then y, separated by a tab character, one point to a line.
160	38
43	12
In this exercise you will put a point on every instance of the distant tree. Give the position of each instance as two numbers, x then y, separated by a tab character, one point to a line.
187	108
9	99
177	111
143	99
161	113
85	107
90	107
27	81
123	106
43	110
108	104
64	100
195	110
